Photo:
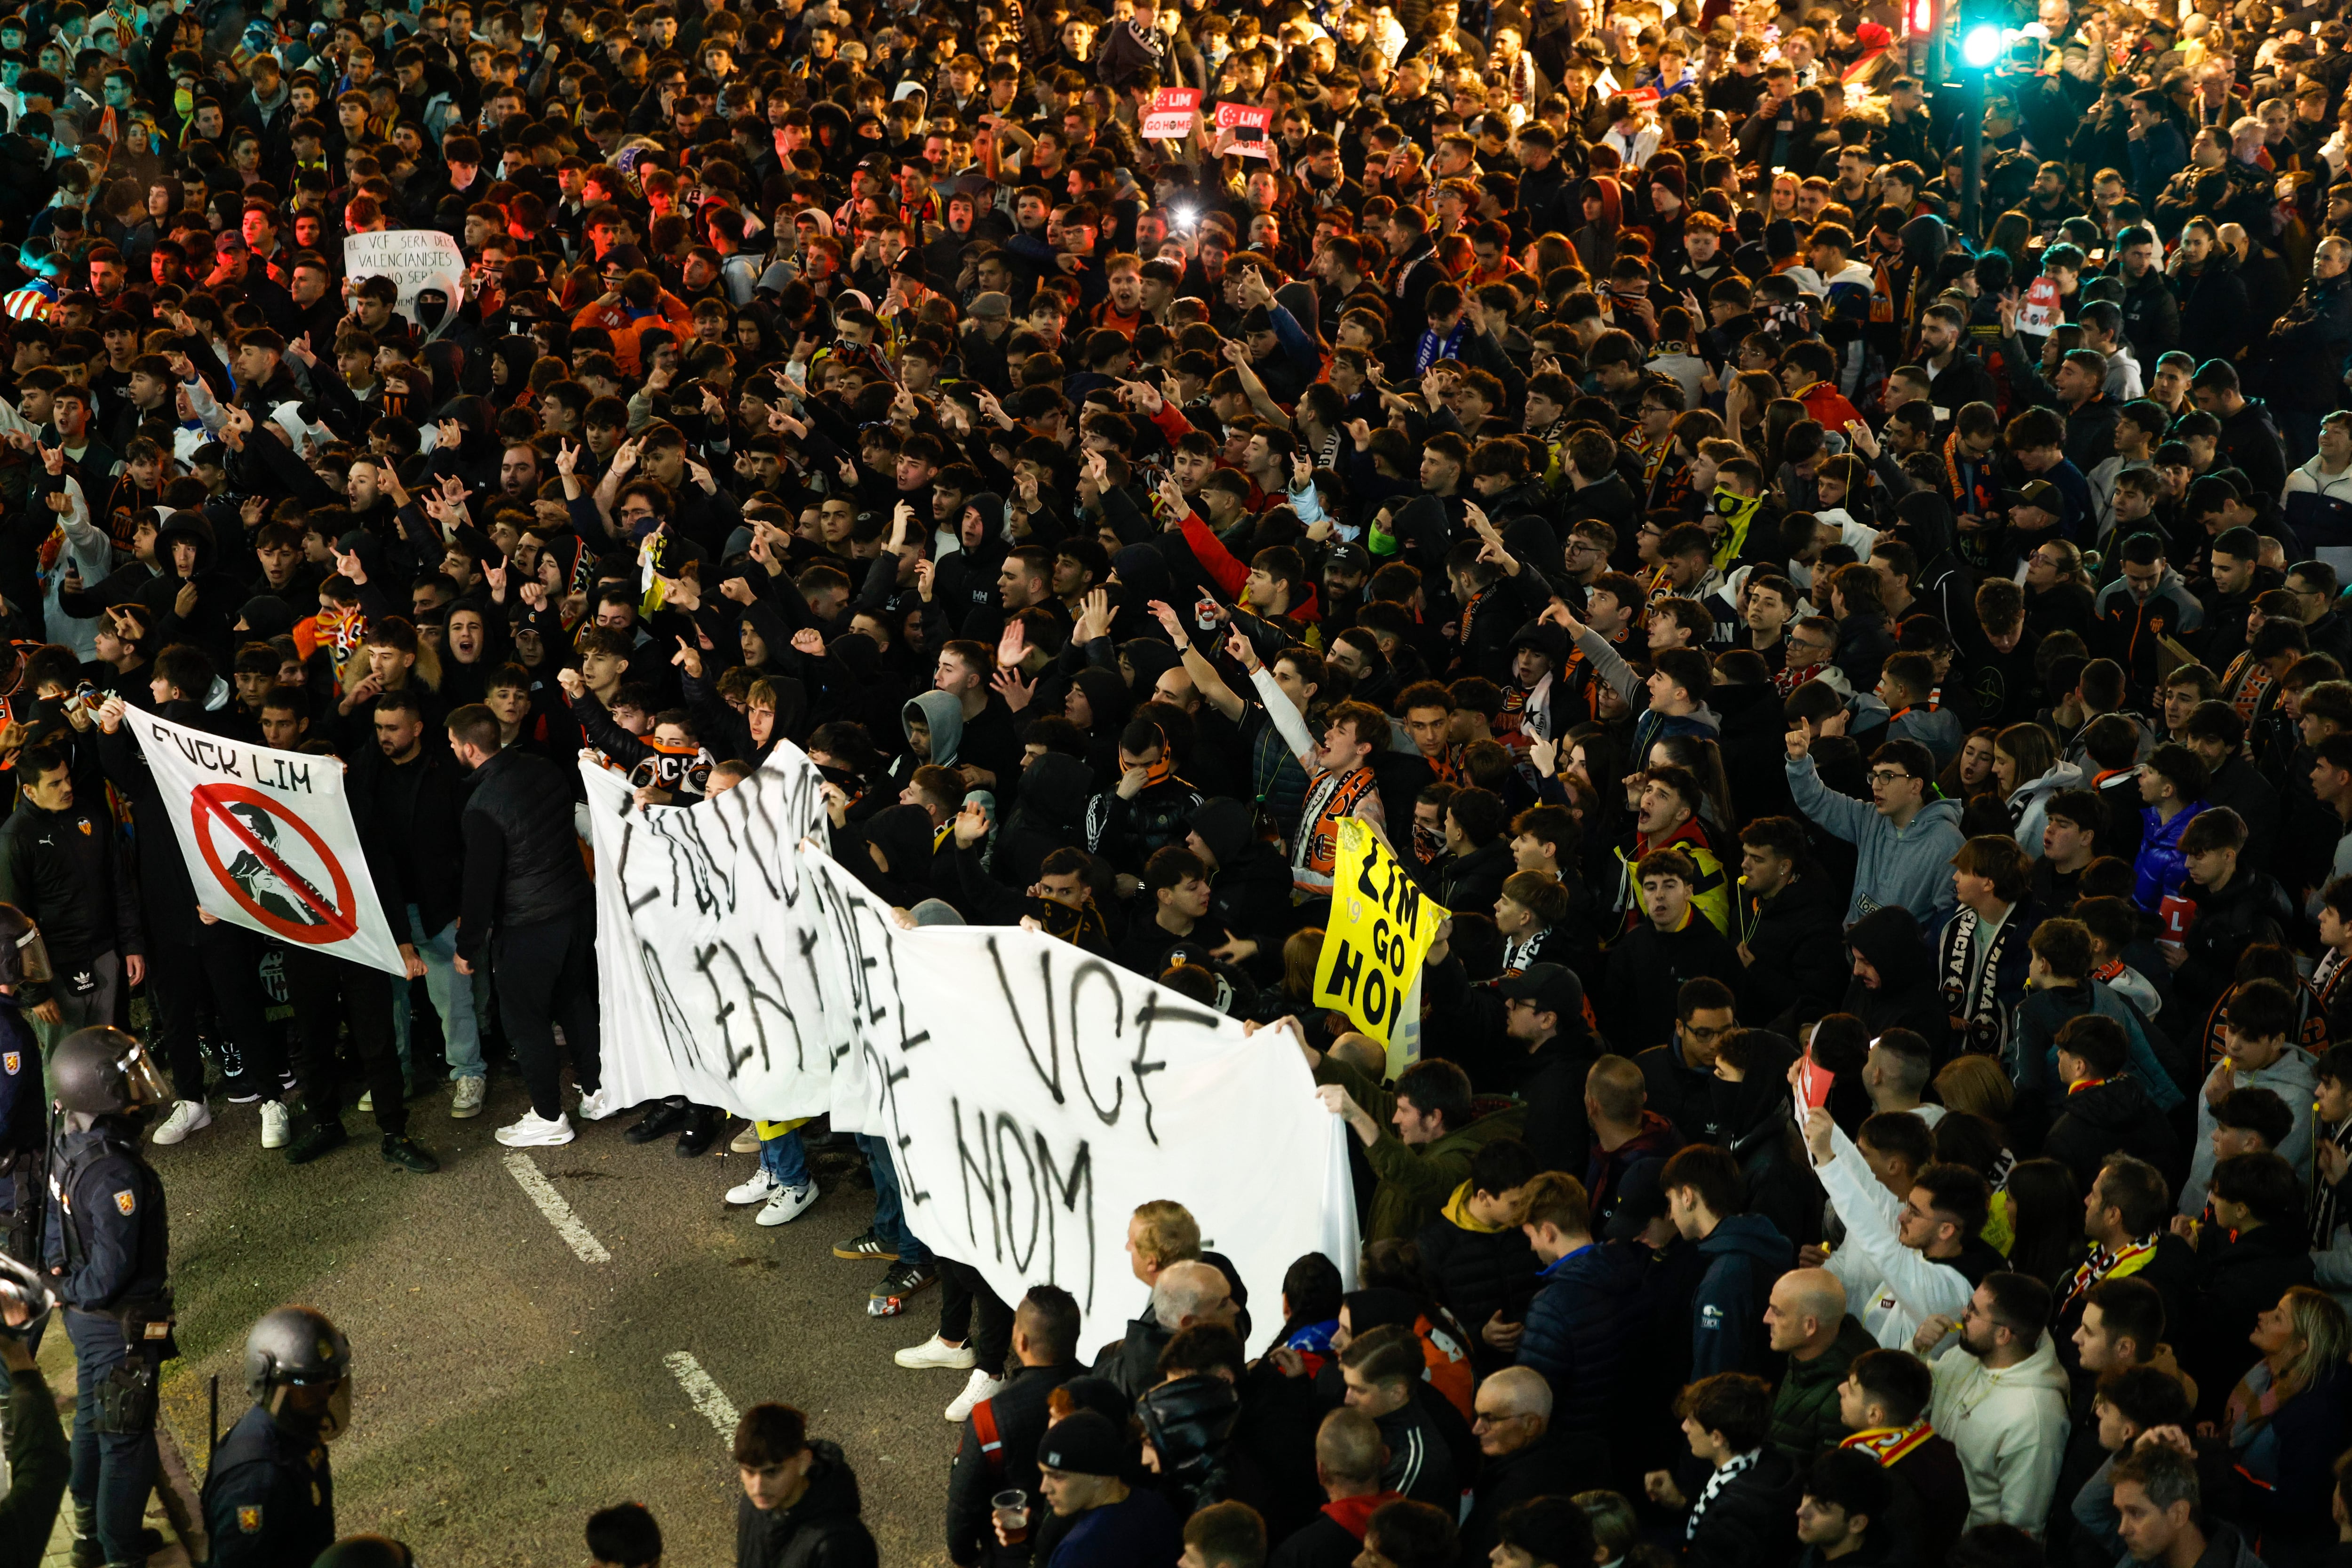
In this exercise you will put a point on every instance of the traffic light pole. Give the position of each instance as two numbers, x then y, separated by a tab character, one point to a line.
1971	129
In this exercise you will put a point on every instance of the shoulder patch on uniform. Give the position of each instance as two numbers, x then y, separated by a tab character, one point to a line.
248	1519
10	1061
125	1201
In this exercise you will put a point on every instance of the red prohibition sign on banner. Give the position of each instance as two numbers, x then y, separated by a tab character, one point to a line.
330	923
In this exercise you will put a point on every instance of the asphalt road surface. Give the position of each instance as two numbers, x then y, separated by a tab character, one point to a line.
505	1386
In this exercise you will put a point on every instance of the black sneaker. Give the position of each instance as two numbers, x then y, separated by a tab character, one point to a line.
703	1126
241	1090
865	1247
660	1120
320	1139
409	1154
889	1298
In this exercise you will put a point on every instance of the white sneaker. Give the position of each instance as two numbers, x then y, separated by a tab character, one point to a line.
273	1124
468	1100
534	1133
597	1107
746	1142
937	1352
980	1386
789	1204
187	1116
758	1189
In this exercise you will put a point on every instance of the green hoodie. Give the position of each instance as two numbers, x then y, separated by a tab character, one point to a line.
1415	1181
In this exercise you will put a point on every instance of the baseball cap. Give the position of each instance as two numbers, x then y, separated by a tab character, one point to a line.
1348	557
1639	1200
2036	493
626	255
1084	1444
991	305
1553	988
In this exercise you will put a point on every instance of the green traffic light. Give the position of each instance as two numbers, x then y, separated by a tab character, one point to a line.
1982	44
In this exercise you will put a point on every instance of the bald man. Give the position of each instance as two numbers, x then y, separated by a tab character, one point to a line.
1182	1295
1807	1319
1524	1458
1348	1459
1625	1133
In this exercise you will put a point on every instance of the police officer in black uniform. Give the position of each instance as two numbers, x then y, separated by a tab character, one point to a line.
270	1496
107	1243
23	1127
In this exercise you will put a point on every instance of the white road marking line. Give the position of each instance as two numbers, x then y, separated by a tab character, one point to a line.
559	1213
706	1395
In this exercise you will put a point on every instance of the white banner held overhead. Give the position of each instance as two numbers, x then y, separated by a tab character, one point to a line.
414	259
1030	1094
702	939
268	839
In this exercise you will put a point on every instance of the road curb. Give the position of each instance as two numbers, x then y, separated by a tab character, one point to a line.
178	1490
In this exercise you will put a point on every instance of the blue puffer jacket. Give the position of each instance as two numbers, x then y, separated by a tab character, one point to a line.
2161	868
1579	1331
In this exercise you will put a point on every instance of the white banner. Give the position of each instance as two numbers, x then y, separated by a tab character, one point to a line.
413	259
701	920
1032	1096
268	839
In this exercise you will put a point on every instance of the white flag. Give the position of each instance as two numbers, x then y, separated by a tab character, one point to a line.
268	838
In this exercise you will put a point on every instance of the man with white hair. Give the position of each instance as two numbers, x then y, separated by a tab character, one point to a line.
1182	1294
1524	1458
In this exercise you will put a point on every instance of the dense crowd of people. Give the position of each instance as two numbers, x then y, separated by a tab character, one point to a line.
1856	642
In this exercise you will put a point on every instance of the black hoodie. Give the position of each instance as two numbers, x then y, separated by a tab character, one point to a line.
1906	996
1249	890
1050	815
821	1530
220	598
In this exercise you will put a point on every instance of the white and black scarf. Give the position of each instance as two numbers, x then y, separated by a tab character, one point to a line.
1723	1476
1983	1024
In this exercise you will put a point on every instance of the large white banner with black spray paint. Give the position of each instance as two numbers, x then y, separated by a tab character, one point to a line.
1031	1096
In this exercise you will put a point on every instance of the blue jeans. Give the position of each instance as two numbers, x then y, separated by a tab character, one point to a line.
114	1471
889	1213
453	998
787	1159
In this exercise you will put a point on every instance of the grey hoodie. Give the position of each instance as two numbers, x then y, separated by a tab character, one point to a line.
1909	868
944	715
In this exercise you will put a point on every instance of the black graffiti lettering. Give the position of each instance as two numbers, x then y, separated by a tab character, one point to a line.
204	754
754	1002
1066	1194
912	1189
287	773
977	1170
714	892
758	842
1096	969
1038	1223
676	1032
1153	1012
1036	1204
1049	1071
628	843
